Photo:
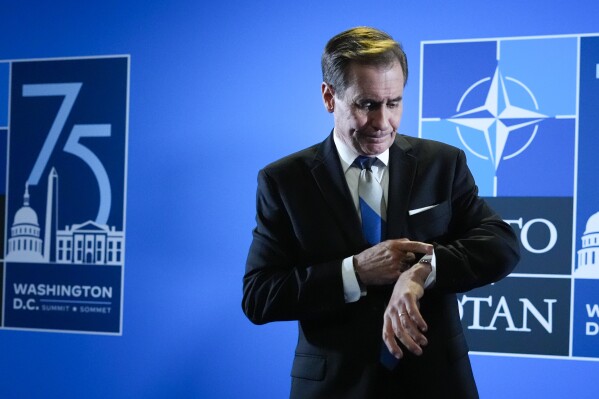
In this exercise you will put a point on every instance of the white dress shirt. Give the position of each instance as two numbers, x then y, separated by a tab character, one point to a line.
379	169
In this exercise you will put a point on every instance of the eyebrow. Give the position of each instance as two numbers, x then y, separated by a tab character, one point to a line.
369	100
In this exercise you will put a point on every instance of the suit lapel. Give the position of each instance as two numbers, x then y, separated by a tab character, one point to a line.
330	180
402	170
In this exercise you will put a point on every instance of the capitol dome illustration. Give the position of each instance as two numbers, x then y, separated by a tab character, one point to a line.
25	244
588	256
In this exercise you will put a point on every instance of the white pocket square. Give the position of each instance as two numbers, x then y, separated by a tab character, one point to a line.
416	211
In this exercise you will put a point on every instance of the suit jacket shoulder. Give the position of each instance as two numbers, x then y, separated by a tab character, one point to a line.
302	160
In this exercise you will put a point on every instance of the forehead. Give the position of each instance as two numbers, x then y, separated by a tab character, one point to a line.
375	81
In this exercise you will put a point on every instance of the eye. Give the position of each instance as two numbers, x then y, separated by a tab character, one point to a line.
368	105
393	104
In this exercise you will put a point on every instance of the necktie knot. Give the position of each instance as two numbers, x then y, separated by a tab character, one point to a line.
364	162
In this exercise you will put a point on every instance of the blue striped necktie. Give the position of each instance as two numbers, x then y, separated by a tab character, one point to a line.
372	202
374	216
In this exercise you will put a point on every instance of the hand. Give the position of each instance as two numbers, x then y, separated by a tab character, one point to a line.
402	318
384	262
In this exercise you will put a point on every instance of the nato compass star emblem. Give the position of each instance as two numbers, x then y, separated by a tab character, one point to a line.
497	118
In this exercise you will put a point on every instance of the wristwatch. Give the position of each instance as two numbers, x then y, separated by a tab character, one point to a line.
426	259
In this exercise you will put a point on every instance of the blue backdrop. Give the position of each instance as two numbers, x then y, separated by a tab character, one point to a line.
217	91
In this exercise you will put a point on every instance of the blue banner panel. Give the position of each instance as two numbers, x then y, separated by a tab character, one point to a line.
518	315
587	217
531	142
586	318
2	282
441	63
586	288
3	155
4	73
66	193
544	225
63	297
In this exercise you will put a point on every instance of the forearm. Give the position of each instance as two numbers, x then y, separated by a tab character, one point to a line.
484	255
479	247
276	289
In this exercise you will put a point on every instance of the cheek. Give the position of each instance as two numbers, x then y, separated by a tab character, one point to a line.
396	118
358	121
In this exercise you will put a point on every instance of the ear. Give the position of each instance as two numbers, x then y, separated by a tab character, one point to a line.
328	96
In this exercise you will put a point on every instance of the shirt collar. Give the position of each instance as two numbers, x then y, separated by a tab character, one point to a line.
347	155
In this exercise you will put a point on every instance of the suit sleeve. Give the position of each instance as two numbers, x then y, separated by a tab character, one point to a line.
480	248
279	282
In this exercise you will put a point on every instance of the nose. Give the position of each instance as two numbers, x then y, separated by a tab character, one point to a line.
379	119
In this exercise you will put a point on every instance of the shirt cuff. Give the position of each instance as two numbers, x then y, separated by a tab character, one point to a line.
351	287
432	277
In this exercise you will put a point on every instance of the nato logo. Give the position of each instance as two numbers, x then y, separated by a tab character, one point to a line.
510	104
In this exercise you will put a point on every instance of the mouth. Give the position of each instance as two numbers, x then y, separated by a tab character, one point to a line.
375	137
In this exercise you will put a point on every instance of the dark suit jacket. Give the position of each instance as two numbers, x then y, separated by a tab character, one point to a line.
307	224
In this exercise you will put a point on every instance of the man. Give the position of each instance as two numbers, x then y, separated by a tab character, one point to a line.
376	319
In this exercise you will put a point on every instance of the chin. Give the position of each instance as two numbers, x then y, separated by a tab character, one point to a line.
375	149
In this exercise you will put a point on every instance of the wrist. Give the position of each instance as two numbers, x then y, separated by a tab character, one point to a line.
432	277
421	270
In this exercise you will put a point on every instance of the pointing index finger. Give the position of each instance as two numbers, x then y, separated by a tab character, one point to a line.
413	246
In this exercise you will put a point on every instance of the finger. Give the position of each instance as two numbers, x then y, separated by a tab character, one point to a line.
406	334
412	246
389	338
410	258
414	313
405	261
405	330
396	323
414	333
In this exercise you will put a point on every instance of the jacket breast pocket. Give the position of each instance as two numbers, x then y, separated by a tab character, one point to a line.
430	223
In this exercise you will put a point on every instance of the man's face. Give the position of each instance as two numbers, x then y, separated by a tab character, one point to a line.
368	114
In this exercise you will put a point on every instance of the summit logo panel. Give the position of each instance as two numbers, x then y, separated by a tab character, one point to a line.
64	243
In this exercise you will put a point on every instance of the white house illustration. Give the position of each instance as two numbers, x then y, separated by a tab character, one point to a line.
91	243
85	243
588	256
